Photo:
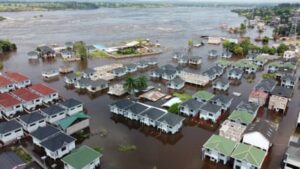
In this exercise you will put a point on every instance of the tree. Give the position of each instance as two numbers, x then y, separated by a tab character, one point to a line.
282	48
265	40
190	42
242	28
130	85
239	51
174	108
141	82
80	50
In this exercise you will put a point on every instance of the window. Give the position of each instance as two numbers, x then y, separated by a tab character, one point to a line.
53	116
17	130
61	113
18	106
33	124
79	106
63	149
5	135
72	108
42	121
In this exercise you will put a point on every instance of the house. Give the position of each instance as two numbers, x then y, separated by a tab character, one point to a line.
97	85
213	54
119	72
72	106
43	133
250	107
232	130
83	83
251	56
242	117
130	67
142	64
203	96
19	80
291	158
9	105
10	131
82	158
235	73
46	52
6	84
31	122
119	106
132	112
260	61
260	134
195	60
248	157
33	55
280	98
74	123
183	59
210	111
91	48
71	78
287	55
67	54
222	100
220	84
266	85
47	93
246	65
282	66
88	73
54	113
190	107
9	159
170	123
224	63
218	149
259	97
29	99
226	54
288	81
58	145
152	62
151	115
177	83
166	72
213	72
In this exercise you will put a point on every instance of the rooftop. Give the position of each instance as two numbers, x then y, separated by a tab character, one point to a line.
202	94
192	104
266	128
220	144
32	117
9	126
137	108
122	104
5	81
266	85
15	76
222	98
70	103
153	113
44	132
212	108
232	130
53	109
250	154
7	100
70	120
171	119
282	91
25	94
81	157
43	89
241	117
57	141
258	93
248	106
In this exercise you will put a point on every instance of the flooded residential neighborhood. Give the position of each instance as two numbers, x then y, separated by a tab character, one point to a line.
158	87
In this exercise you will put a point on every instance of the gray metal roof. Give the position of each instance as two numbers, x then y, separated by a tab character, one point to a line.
71	76
264	127
288	77
32	117
136	108
221	98
282	91
209	107
122	104
266	85
10	160
130	66
192	104
215	70
53	109
177	80
171	119
221	81
57	141
236	71
9	126
44	132
89	71
99	82
70	103
153	113
119	70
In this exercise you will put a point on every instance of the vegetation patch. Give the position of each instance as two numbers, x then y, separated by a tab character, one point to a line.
269	75
99	149
174	108
127	148
98	54
182	96
7	46
22	154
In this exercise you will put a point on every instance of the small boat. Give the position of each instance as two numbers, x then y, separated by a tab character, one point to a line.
50	74
236	94
65	69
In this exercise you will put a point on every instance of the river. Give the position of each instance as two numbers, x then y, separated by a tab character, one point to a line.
171	27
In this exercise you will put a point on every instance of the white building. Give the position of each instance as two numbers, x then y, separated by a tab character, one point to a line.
6	84
289	54
29	99
170	123
43	133
20	81
10	131
9	105
54	113
47	93
32	121
72	106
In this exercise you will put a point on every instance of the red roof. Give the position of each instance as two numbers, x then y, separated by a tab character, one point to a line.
43	89
259	94
5	81
25	94
7	100
16	76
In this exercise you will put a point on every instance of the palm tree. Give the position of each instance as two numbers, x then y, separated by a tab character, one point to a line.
142	82
130	85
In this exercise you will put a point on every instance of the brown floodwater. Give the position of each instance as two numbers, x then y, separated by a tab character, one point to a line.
171	27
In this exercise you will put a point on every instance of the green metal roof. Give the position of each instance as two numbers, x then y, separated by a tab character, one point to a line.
285	64
241	116
68	121
220	144
224	62
245	63
81	157
250	154
205	95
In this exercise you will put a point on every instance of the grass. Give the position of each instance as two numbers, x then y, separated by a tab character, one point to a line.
182	96
99	149
269	76
127	148
23	154
99	54
174	108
